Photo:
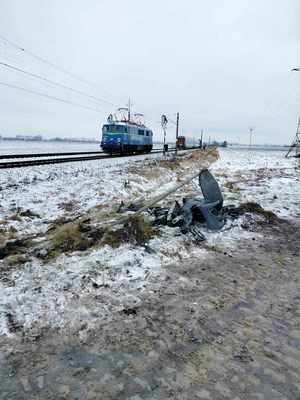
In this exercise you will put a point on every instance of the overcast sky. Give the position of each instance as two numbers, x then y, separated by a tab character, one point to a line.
223	64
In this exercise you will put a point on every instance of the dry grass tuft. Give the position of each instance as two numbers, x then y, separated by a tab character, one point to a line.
113	238
253	208
69	238
171	164
68	206
16	259
7	234
139	229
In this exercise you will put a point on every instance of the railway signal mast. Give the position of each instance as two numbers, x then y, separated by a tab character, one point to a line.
164	122
177	128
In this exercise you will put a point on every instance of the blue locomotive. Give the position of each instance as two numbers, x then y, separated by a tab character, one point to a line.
125	135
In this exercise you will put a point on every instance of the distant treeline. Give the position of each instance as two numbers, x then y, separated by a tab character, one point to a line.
39	138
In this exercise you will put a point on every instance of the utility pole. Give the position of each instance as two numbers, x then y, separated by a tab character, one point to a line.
129	106
297	142
295	145
177	128
201	140
251	129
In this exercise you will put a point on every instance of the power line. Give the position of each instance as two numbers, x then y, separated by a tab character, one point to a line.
50	97
55	83
51	64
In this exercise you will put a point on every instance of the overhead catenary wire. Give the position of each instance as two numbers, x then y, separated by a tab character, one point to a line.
14	68
58	68
172	122
54	65
50	97
49	63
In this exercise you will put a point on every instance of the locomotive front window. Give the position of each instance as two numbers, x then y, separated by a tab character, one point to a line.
115	128
110	128
140	132
121	128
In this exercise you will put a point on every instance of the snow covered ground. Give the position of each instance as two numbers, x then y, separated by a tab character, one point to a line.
71	188
266	177
83	287
29	147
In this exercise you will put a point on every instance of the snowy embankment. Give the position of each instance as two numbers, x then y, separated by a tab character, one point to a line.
75	291
68	189
265	177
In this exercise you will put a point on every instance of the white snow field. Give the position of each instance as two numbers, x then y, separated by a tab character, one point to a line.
83	287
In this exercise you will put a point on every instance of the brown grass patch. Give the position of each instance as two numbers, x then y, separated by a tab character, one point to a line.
16	259
69	238
137	230
68	206
7	234
254	208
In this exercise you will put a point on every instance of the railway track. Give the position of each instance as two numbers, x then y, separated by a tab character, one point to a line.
39	155
85	156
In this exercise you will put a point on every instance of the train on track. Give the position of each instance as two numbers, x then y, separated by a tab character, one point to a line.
126	134
181	143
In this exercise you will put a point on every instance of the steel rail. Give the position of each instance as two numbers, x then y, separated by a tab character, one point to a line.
73	153
36	155
30	163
